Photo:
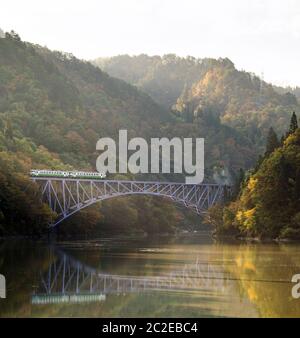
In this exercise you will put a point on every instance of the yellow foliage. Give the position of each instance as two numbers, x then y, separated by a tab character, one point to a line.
252	183
249	213
239	216
246	218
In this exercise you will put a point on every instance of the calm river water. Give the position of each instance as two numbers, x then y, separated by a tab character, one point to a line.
185	276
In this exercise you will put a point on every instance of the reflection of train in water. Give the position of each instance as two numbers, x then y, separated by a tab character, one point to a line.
67	174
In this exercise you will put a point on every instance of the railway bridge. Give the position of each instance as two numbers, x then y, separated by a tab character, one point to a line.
66	196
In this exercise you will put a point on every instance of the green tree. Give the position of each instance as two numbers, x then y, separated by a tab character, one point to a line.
293	124
8	131
272	142
237	185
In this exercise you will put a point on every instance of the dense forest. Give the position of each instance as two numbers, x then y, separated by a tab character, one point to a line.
267	204
54	107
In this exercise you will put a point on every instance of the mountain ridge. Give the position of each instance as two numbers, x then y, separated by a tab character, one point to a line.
190	85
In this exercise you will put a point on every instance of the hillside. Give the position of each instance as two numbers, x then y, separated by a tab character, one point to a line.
268	203
192	86
163	78
53	109
66	104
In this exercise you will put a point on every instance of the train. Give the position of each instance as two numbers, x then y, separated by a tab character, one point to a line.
67	174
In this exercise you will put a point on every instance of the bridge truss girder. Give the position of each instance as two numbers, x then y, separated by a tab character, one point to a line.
67	196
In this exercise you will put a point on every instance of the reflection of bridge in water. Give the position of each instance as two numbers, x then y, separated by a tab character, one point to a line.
69	281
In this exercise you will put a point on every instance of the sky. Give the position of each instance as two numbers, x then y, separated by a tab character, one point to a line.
261	36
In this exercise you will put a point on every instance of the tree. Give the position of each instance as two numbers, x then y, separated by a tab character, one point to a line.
259	162
272	142
293	124
13	36
297	185
237	186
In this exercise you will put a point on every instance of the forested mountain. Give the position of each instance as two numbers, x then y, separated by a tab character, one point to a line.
214	91
53	109
207	86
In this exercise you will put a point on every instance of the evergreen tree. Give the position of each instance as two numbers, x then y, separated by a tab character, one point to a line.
293	124
297	185
258	163
272	142
283	172
8	131
241	178
238	184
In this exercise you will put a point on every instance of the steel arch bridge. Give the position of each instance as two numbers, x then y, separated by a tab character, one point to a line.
66	196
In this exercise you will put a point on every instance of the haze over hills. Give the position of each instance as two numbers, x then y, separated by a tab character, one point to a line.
192	86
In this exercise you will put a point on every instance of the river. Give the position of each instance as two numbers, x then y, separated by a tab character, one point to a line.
185	276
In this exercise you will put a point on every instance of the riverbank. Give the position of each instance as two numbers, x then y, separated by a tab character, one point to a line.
255	239
54	237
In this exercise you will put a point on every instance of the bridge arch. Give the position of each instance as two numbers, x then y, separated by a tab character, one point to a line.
68	196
